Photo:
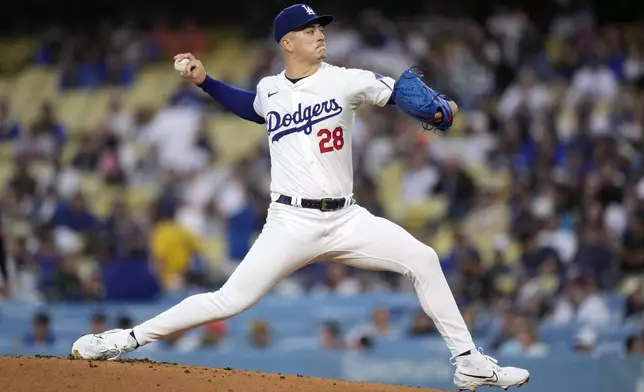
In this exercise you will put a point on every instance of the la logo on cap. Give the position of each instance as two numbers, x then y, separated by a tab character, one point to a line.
308	9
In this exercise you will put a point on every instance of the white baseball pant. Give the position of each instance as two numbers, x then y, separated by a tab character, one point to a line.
294	237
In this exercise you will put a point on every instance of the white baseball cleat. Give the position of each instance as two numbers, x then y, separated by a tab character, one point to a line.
109	345
477	370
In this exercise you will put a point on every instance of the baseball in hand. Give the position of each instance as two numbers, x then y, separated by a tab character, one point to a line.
182	65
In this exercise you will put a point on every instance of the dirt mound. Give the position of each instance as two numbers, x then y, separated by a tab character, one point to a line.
50	374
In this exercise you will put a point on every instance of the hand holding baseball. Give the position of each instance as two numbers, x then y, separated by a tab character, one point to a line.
190	67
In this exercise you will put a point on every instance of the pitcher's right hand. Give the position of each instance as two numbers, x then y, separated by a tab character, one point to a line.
196	72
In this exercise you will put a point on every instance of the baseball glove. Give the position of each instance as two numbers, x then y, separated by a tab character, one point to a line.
421	102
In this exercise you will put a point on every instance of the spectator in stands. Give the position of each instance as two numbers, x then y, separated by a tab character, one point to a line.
457	185
633	289
594	80
47	259
503	328
186	95
525	94
581	303
69	286
260	68
336	280
97	323
209	336
23	183
9	126
419	179
364	343
45	137
473	313
70	74
366	192
533	255
75	215
462	249
52	46
120	225
86	158
525	342
488	216
41	333
205	144
476	283
632	260
213	335
537	292
124	322
503	273
260	334
172	249
235	206
595	257
555	236
180	340
118	72
585	341
380	328
128	275
522	220
635	345
25	272
109	160
421	325
331	336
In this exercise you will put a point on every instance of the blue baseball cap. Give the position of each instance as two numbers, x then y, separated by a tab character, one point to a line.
295	17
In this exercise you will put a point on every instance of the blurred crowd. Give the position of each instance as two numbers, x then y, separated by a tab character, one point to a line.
560	109
111	54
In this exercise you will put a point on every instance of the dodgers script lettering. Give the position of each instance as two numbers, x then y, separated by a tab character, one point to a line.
302	120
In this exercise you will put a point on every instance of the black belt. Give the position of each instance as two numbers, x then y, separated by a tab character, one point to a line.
328	204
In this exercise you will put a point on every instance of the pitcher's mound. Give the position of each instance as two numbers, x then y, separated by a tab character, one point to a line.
61	374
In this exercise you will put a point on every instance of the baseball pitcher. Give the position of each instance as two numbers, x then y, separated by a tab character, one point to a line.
308	110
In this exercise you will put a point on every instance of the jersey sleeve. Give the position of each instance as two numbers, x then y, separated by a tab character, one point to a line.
368	87
257	103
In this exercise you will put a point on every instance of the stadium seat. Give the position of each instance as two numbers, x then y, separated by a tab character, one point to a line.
42	168
416	216
388	190
487	178
71	108
443	240
413	216
240	137
97	108
138	198
214	249
230	46
6	86
21	88
16	52
70	148
6	171
34	87
152	88
6	153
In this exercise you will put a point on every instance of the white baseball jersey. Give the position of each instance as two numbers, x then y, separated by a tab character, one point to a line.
310	123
